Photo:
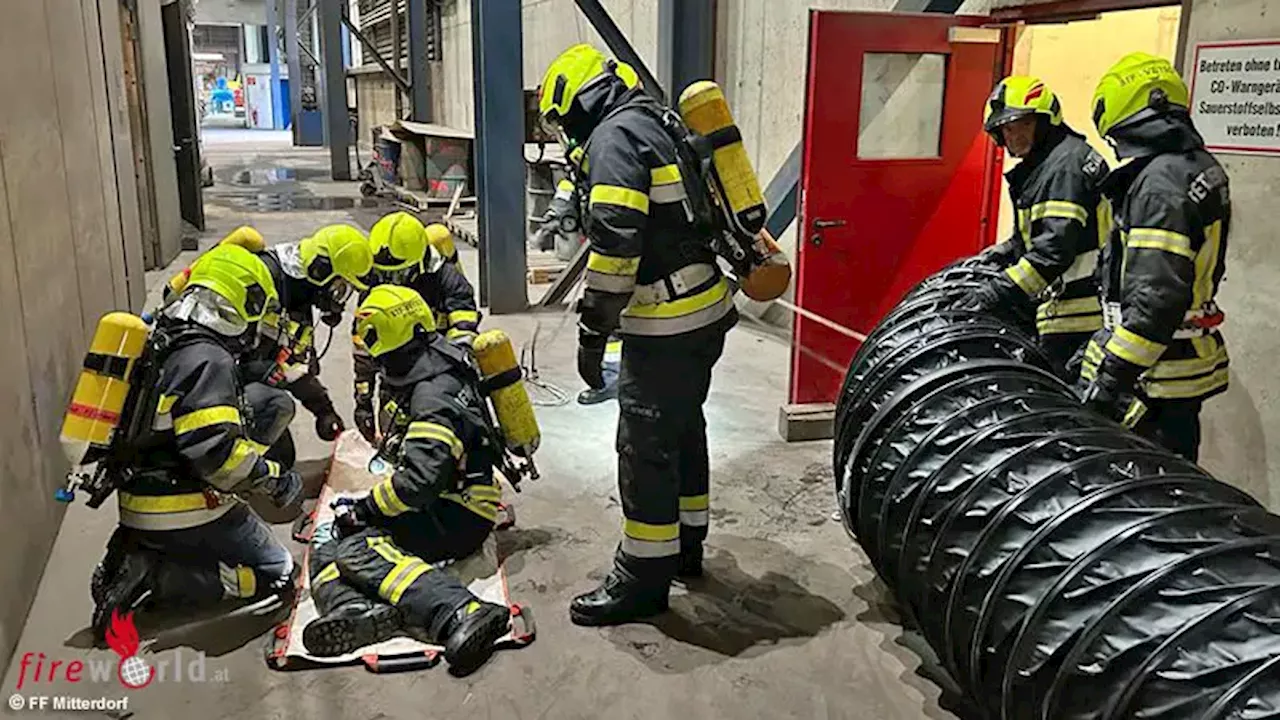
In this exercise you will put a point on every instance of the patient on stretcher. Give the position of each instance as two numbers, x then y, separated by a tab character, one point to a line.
381	573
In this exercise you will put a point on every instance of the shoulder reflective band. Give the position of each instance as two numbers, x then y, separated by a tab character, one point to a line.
1059	209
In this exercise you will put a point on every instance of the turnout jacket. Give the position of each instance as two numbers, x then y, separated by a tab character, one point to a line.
1062	221
196	453
1162	269
446	454
292	330
651	269
452	300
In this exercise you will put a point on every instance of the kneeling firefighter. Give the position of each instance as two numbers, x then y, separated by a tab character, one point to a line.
403	254
652	278
1160	354
185	537
1062	219
317	273
380	576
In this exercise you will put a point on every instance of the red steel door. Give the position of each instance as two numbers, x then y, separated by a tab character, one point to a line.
898	177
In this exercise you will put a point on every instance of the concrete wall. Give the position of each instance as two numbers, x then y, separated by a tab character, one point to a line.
164	166
1242	427
63	261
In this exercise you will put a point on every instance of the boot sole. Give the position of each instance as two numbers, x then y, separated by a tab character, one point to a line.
479	645
589	620
335	636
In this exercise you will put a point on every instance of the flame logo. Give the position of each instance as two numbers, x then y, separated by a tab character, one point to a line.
122	637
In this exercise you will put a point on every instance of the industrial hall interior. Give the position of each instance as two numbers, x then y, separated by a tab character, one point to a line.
571	359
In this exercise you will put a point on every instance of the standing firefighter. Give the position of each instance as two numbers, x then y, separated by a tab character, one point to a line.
381	577
1161	353
186	539
1061	218
404	254
652	278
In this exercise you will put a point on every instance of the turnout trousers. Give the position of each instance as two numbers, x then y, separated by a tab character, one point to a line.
1174	425
401	563
663	468
236	556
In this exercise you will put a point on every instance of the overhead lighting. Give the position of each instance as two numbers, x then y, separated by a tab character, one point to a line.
207	56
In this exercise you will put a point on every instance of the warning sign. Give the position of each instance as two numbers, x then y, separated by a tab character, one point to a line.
1235	96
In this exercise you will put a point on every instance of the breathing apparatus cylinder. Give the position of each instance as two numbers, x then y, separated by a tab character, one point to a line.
102	391
247	238
502	382
736	187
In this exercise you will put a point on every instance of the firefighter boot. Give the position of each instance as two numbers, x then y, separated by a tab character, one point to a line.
621	598
109	566
470	633
351	626
690	561
126	589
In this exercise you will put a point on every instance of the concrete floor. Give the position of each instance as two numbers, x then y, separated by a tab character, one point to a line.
789	623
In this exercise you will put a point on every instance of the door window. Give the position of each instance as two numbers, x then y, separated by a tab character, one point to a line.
900	114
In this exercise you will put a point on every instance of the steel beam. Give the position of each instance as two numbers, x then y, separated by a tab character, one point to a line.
395	52
782	193
686	42
273	57
377	56
618	44
294	60
419	70
499	88
337	124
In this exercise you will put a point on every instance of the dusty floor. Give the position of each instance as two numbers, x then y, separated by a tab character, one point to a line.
789	623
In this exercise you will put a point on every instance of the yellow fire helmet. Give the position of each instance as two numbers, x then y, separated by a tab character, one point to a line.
1137	87
398	241
389	318
568	75
337	251
240	277
439	237
1019	96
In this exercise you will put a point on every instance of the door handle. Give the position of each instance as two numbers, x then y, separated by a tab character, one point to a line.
821	224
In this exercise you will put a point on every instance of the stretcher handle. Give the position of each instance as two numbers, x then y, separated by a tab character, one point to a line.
402	663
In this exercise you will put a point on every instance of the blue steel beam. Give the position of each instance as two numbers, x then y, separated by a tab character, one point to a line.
686	42
499	90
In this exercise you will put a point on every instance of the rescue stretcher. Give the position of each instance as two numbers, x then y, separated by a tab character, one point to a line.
483	572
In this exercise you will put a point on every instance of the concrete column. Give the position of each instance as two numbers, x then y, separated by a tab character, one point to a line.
273	57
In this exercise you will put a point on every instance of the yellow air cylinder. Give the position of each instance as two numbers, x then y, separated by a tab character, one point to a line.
439	237
497	360
100	394
705	111
247	238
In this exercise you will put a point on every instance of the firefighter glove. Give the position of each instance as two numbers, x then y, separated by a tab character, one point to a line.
329	426
591	347
350	516
283	490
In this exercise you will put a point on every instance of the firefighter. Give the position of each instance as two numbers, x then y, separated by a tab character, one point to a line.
1160	354
317	273
185	537
1061	219
651	278
380	576
403	254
